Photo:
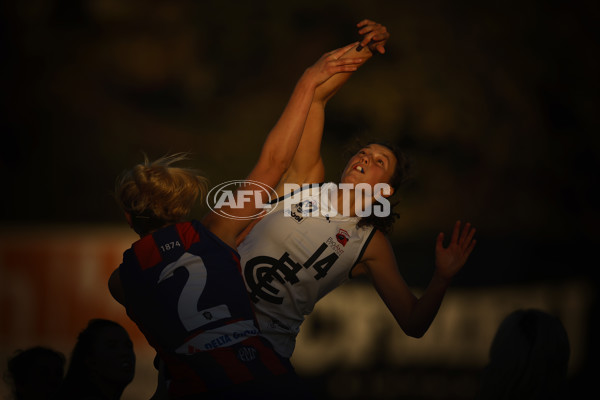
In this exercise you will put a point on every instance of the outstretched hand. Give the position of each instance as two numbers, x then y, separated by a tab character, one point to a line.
375	35
331	63
449	260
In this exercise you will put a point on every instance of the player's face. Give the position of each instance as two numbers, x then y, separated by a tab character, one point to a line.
372	164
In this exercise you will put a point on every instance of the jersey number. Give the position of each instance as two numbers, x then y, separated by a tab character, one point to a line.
187	306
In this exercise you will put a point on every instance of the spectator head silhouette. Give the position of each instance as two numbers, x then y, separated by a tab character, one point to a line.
102	363
35	373
528	358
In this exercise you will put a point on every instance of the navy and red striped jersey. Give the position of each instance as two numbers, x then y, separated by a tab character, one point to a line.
184	290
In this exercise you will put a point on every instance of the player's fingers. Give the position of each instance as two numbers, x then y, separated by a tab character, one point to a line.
337	53
455	232
464	233
364	22
470	249
439	243
469	237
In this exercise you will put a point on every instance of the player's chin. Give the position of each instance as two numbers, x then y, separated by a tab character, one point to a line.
354	177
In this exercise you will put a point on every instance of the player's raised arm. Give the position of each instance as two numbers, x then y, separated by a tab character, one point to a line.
281	143
307	165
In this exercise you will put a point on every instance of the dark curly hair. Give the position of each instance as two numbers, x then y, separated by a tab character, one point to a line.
399	178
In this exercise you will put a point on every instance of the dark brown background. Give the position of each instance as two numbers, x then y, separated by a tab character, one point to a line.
495	102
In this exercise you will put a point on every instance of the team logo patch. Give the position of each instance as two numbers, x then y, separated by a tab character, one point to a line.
264	275
342	237
301	210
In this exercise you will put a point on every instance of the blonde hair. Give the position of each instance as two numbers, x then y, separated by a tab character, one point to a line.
155	193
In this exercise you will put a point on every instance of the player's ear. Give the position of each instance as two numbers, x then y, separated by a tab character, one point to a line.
128	218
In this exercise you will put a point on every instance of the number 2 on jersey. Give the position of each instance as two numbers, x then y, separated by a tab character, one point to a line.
187	306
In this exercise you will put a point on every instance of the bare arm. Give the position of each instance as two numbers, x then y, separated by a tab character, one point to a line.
281	143
307	165
115	287
415	315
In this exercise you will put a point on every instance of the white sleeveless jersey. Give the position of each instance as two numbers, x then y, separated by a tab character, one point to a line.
294	256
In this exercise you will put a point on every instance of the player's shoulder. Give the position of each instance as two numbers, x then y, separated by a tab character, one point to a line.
378	246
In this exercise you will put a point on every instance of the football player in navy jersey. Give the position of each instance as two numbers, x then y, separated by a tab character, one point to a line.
181	282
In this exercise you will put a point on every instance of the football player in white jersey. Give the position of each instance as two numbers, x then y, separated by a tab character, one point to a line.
286	290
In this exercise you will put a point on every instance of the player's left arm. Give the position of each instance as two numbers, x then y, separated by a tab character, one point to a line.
415	315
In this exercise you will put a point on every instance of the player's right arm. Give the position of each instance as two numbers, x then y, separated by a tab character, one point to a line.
307	165
281	143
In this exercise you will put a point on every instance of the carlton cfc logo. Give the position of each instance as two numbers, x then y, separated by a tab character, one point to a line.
342	237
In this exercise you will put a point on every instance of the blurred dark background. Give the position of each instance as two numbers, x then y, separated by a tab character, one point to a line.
495	102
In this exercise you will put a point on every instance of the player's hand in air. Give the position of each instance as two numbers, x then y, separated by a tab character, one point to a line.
375	35
331	63
449	260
